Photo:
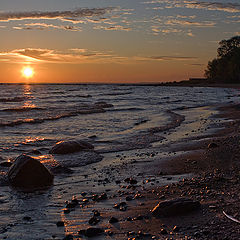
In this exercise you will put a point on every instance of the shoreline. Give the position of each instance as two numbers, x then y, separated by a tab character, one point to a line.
157	171
199	172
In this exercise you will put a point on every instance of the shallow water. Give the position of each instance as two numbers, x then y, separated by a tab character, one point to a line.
37	116
140	120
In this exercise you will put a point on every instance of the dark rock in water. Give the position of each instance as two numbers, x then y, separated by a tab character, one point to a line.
175	207
70	147
60	224
113	220
91	232
212	145
27	172
6	164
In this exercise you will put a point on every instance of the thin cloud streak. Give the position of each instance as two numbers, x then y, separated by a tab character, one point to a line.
78	56
211	6
71	16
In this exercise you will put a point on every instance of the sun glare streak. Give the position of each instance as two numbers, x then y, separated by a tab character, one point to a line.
27	72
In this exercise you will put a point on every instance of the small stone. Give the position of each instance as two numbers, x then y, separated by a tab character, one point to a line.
92	232
103	196
27	218
68	237
212	145
66	210
94	221
71	205
129	198
113	220
96	213
60	224
163	231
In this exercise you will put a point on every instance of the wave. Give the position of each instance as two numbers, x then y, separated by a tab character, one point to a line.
117	93
126	109
175	121
14	99
22	109
96	108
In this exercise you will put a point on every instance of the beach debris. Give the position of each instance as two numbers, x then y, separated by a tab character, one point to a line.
212	145
175	207
70	147
231	217
91	232
27	172
113	220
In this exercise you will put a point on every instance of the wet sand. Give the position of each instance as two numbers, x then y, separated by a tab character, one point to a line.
187	169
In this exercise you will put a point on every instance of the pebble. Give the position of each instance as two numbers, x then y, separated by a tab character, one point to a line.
113	220
60	224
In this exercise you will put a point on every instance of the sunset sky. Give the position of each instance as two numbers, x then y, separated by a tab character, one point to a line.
112	40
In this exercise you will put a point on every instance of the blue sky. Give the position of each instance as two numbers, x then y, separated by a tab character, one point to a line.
113	40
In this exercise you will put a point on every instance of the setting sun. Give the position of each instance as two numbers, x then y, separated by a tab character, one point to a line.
27	72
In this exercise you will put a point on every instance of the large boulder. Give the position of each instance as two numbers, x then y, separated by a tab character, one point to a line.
27	172
70	147
174	207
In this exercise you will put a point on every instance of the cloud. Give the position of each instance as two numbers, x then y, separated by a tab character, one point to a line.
114	28
211	6
43	26
216	6
72	56
172	58
166	58
190	23
78	56
71	16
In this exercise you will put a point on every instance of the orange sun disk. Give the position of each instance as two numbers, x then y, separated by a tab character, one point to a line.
27	72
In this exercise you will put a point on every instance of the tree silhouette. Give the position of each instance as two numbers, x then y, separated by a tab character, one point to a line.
226	67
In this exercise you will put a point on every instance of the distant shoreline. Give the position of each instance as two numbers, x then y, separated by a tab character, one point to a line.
186	83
